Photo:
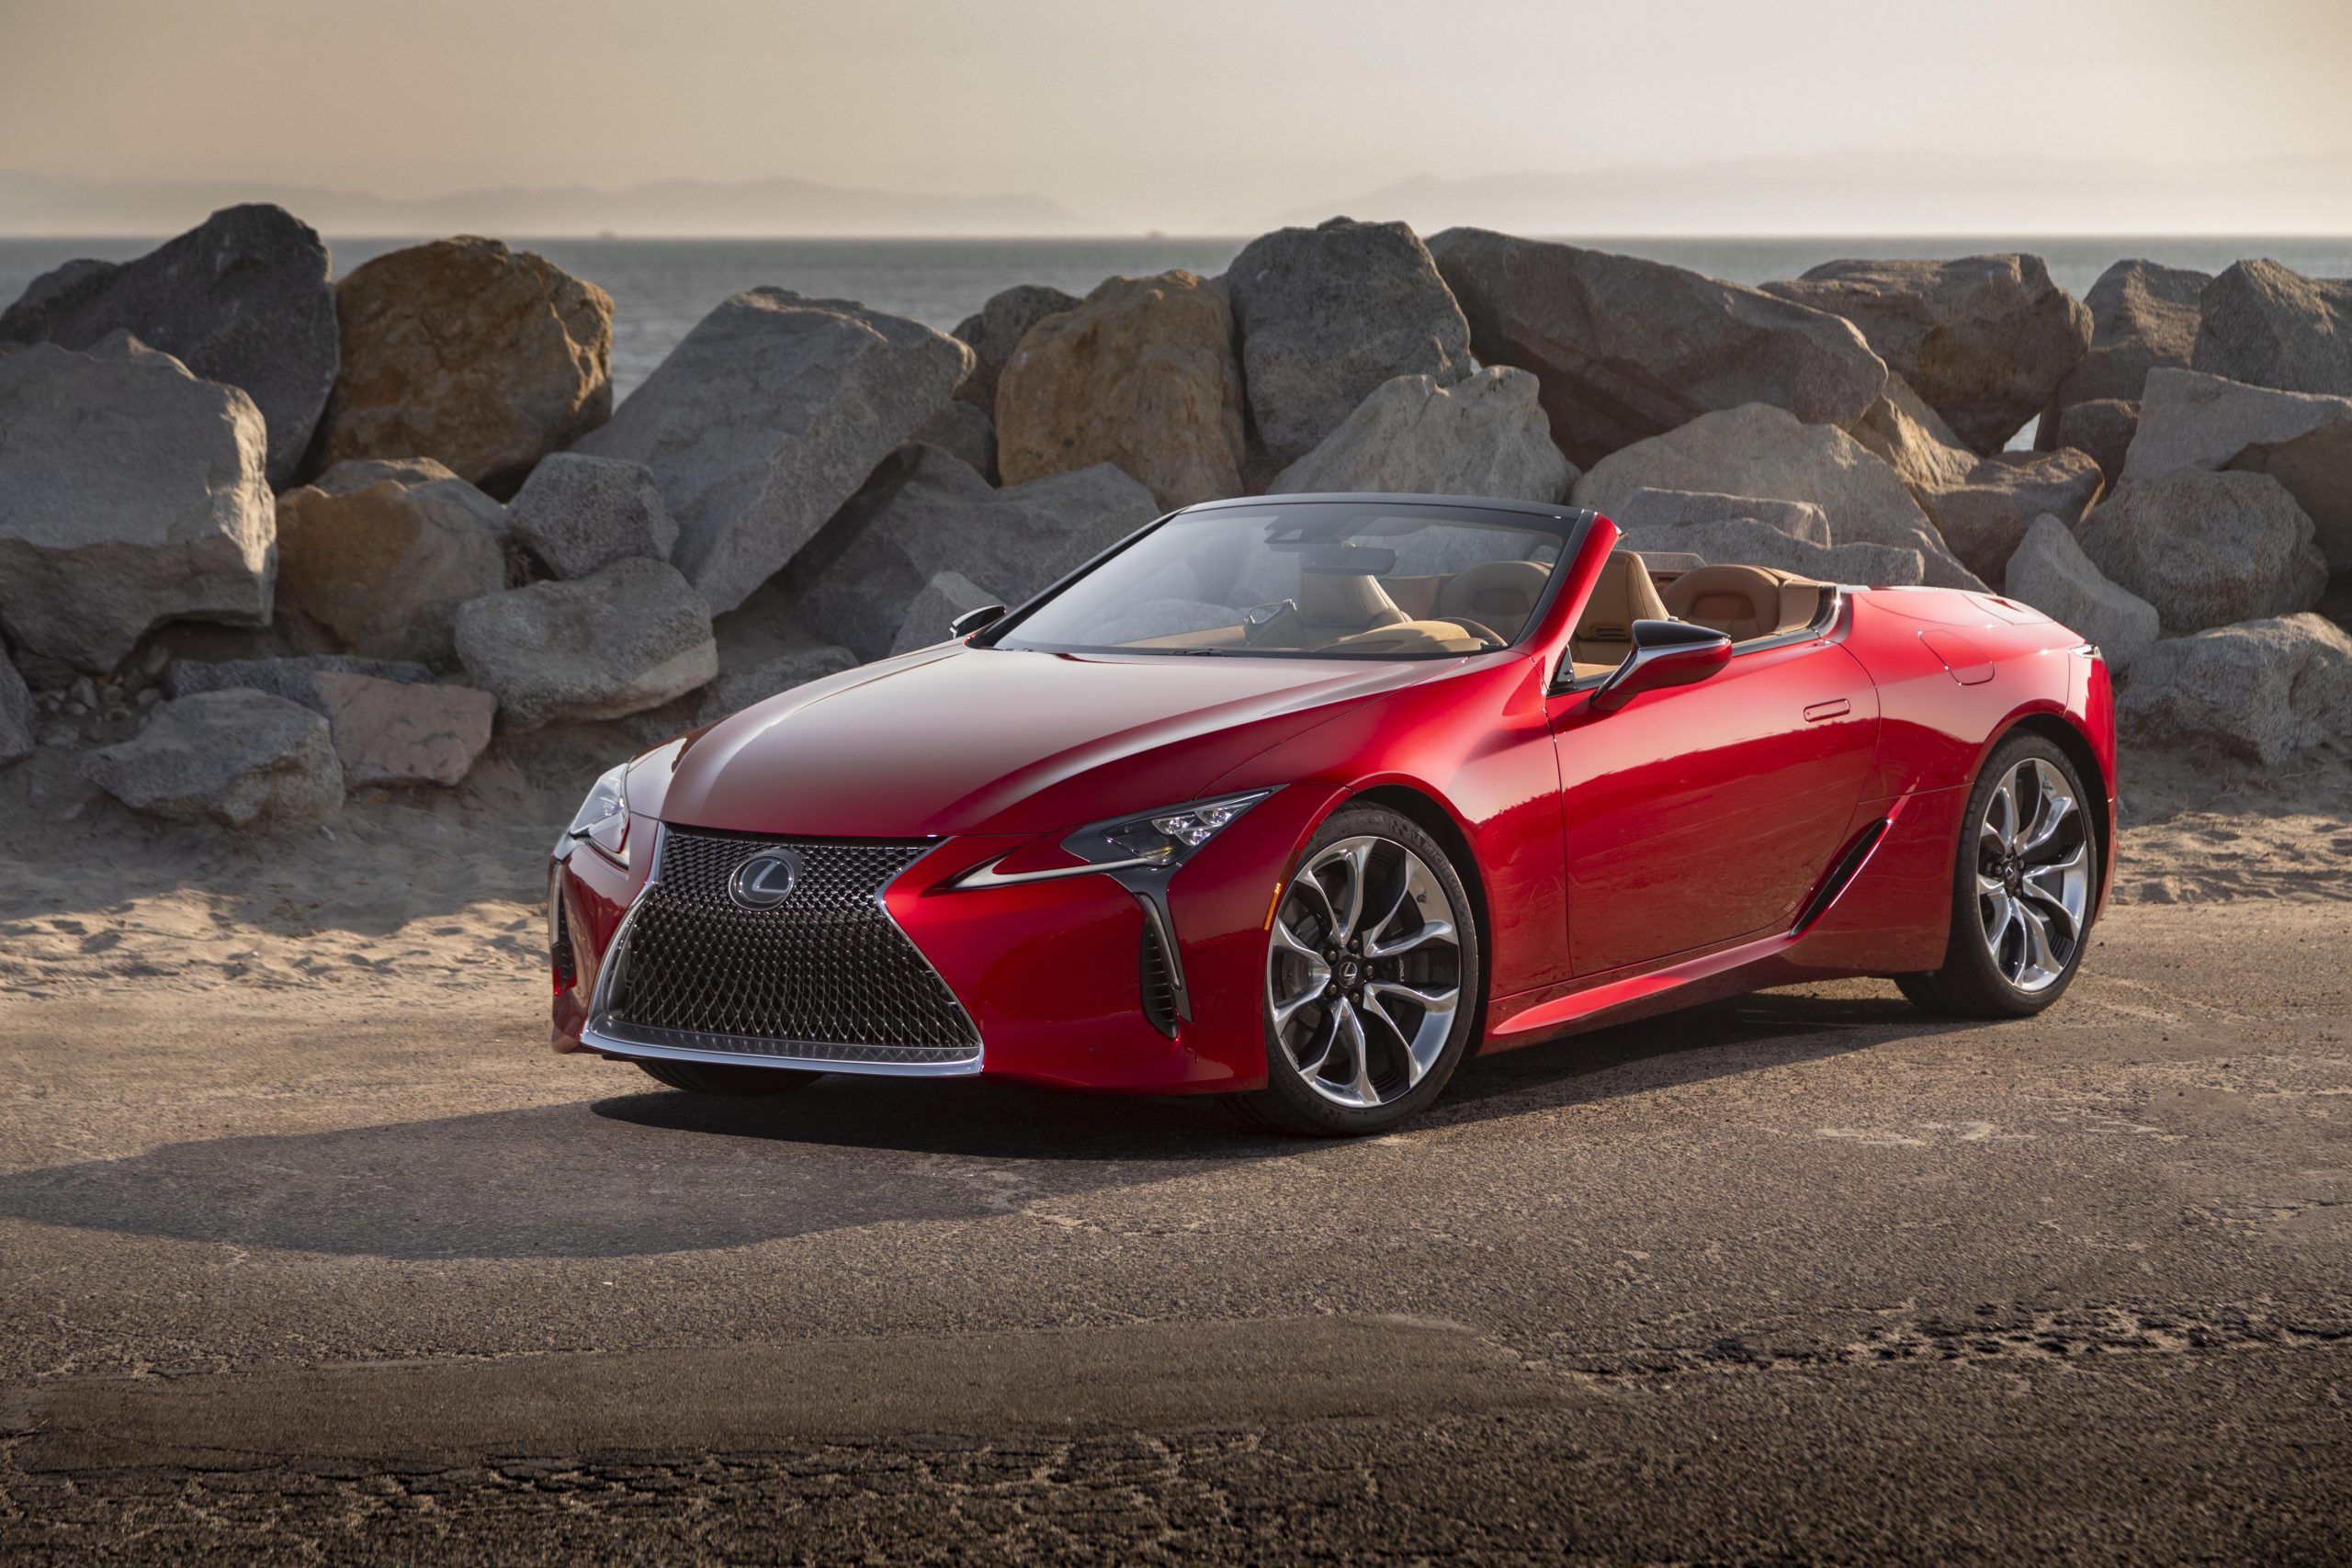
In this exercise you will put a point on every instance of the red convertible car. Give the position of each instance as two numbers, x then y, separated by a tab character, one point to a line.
1301	800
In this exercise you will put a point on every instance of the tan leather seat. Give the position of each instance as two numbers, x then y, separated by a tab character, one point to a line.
1343	602
1497	594
1624	594
1745	602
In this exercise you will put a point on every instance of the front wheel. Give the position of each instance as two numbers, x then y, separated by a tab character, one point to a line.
1371	981
2022	891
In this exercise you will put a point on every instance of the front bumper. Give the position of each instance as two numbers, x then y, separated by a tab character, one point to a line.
1054	976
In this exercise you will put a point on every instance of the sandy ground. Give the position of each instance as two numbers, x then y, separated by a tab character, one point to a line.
312	1251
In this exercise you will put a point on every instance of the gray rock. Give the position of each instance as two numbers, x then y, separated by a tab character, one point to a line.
580	513
1985	517
375	558
1757	450
2301	439
1329	315
1628	349
243	298
2207	549
967	433
16	714
2270	326
236	757
2102	428
2267	690
2050	572
401	732
2144	317
130	493
995	330
1745	541
767	418
631	638
1914	440
739	689
945	597
925	513
1485	434
294	680
1984	340
1659	509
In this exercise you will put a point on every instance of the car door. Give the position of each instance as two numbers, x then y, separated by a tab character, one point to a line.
1697	815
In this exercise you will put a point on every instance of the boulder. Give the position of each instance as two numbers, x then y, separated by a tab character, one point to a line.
1483	435
945	597
375	558
1984	340
734	691
130	493
767	417
393	732
2102	428
966	432
925	513
580	514
1984	517
1329	315
1141	374
995	330
1757	450
631	638
242	299
1662	509
1745	541
236	757
2303	440
2265	324
483	358
295	679
16	714
2266	691
1913	439
2207	549
2144	317
1627	349
2050	572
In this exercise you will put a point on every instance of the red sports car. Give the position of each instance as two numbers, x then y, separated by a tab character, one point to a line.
1300	800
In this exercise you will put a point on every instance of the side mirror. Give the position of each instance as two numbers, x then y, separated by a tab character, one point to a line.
971	621
1665	653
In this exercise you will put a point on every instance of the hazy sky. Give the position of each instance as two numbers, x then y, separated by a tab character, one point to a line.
1209	115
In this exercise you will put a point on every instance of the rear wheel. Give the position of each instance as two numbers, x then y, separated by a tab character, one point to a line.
1371	981
711	1077
2027	875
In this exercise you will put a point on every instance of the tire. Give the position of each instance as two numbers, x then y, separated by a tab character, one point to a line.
1401	1007
2023	894
710	1078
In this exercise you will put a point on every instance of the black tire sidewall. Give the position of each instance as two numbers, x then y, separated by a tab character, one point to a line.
1969	976
1286	1100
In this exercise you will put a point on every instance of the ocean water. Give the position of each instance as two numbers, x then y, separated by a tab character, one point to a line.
660	288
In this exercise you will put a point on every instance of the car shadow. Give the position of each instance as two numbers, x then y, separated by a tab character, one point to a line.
660	1172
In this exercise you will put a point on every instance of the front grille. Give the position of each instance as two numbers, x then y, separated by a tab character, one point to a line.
827	975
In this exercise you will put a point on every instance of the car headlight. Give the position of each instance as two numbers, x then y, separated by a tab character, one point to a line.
1155	842
603	817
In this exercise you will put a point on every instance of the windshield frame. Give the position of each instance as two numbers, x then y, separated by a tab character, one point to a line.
1573	523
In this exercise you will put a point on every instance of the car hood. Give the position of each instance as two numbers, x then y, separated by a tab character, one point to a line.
999	740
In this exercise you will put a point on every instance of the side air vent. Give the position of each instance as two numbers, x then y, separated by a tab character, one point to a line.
560	954
1158	985
1840	874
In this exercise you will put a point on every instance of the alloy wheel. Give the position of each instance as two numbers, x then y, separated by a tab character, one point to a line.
2033	875
1364	971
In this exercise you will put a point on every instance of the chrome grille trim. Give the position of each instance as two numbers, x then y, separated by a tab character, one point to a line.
843	923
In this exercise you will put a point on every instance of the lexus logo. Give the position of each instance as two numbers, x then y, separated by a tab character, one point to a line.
765	880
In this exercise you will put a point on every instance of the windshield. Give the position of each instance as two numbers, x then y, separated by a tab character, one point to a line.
1331	580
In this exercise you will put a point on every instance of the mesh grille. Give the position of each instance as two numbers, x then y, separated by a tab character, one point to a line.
826	975
1158	985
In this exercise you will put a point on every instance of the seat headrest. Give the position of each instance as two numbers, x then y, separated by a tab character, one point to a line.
1497	594
1623	595
1742	602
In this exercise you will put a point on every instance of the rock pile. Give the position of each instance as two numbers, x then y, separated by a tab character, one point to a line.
412	487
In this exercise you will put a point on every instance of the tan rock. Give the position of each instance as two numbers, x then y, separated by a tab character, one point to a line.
375	559
1141	374
1913	439
398	733
484	358
1983	518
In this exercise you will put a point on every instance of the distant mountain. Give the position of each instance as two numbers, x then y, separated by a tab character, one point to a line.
42	204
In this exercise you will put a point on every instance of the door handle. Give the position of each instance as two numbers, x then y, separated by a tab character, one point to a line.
1836	707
